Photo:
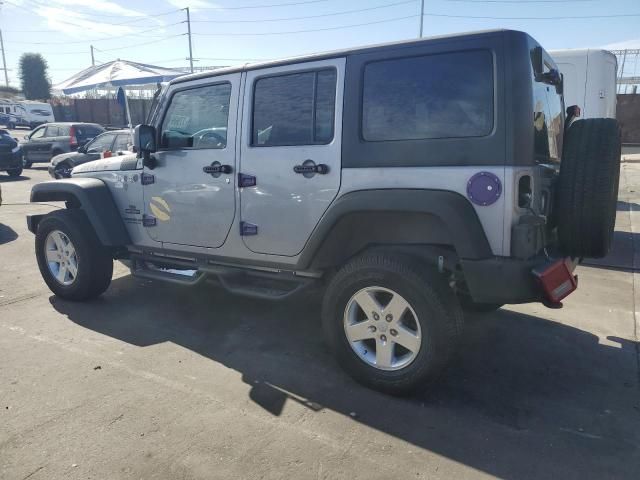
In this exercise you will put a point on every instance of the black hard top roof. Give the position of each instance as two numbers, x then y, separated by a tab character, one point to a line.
339	53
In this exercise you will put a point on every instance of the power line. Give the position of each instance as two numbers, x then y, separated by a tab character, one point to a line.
567	17
250	7
346	12
139	44
305	31
104	39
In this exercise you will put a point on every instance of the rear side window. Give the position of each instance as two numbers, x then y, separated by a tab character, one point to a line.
87	131
122	143
64	130
294	109
435	96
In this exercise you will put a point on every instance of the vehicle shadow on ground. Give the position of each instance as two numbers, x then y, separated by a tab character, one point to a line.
623	206
7	234
524	398
8	179
620	256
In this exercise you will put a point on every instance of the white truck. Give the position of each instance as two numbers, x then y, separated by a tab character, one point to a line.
25	113
589	80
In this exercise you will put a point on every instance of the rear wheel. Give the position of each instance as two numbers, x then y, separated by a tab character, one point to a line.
14	172
391	322
11	126
72	261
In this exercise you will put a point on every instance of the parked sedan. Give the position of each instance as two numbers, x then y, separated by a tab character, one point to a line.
10	155
114	142
51	139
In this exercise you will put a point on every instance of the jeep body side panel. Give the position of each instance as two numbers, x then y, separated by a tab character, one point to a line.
402	216
92	196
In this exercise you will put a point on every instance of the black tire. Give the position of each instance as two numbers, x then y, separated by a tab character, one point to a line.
14	172
434	303
468	305
26	163
11	126
588	187
94	261
62	170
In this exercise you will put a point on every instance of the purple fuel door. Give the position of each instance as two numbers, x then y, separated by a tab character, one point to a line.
484	188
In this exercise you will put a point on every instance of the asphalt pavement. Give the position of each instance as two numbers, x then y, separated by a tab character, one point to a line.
154	381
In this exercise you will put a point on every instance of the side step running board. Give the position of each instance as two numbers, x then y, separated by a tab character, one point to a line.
256	284
149	271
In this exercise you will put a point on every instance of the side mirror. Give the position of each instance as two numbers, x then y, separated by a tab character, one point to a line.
144	141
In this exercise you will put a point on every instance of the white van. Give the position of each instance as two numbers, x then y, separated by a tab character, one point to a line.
26	114
589	80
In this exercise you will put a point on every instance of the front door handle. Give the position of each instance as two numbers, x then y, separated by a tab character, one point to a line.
309	168
216	169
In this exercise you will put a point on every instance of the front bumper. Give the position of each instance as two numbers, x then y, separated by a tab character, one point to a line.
507	280
10	160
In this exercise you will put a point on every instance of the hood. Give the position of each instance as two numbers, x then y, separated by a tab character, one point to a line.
105	164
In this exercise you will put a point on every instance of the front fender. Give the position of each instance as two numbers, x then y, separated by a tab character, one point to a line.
94	198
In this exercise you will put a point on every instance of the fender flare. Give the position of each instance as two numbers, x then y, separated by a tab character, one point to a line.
93	197
364	218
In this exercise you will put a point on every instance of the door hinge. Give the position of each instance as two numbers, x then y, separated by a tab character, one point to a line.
245	180
148	221
247	228
147	179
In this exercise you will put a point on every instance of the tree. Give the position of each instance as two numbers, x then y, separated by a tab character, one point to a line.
33	76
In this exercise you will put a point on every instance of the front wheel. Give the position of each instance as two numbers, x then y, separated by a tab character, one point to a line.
391	322
72	261
14	172
62	170
26	163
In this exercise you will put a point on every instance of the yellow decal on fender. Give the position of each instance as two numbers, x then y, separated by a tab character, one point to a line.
160	208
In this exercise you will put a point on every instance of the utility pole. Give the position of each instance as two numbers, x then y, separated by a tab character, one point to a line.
93	60
4	61
421	16
189	33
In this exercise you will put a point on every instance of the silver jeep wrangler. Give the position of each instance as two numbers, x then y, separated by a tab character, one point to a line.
410	181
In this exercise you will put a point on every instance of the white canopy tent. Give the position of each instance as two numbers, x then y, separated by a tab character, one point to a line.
111	75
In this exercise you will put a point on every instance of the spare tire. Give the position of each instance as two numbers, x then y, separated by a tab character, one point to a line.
587	189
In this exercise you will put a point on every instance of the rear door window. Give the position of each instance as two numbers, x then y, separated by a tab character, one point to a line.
294	109
446	95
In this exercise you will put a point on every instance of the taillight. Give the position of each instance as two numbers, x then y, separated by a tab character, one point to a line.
73	140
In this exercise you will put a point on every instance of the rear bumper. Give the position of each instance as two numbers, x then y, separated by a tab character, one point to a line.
10	160
506	280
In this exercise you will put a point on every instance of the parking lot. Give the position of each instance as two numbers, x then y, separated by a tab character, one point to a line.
155	381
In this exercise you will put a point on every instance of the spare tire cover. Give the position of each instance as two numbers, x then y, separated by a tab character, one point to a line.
587	189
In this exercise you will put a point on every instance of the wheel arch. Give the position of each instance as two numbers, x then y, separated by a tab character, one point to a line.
90	195
395	218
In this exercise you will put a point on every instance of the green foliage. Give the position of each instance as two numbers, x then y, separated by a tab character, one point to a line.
10	90
33	76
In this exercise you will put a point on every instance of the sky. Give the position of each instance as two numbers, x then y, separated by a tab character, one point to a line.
227	32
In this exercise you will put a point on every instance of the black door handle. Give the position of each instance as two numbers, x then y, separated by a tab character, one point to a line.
321	168
216	169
